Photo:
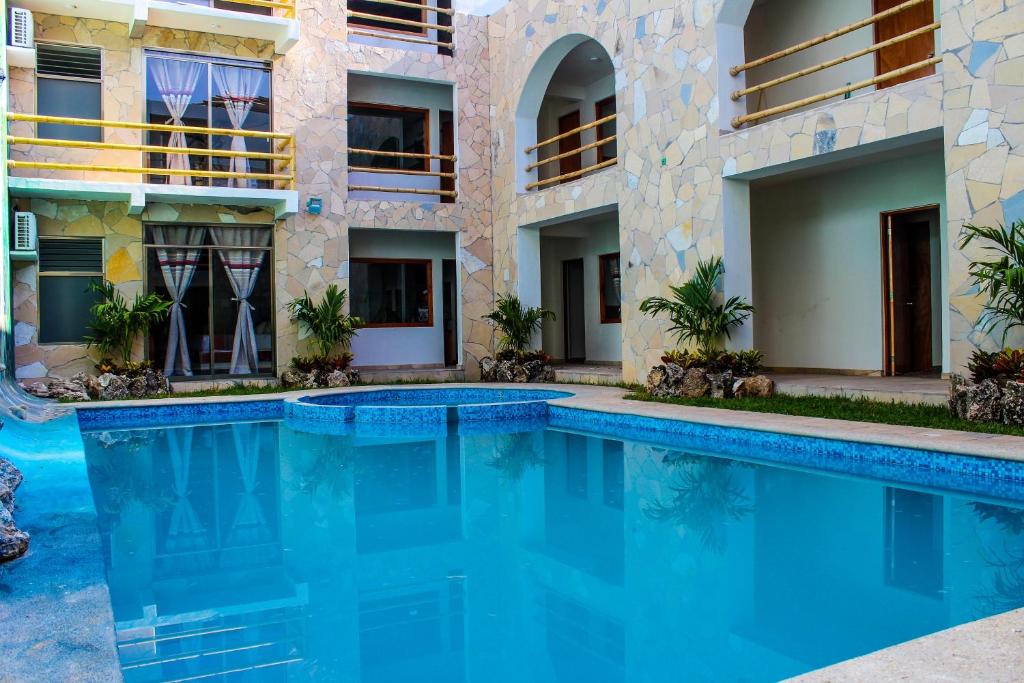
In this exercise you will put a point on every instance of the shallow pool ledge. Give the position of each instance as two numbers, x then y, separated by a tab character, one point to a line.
54	602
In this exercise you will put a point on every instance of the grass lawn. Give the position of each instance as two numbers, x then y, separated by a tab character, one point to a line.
840	408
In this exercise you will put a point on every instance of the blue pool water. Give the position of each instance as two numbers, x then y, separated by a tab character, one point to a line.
433	397
522	552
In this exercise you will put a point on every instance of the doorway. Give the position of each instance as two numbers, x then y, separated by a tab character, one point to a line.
573	313
907	52
449	292
573	162
447	123
909	238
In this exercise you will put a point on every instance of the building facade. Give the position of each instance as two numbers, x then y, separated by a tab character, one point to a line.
583	156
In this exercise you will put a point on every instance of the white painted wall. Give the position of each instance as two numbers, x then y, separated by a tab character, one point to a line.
816	253
433	96
563	100
403	346
603	341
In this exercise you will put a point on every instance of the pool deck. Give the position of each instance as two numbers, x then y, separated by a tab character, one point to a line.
79	615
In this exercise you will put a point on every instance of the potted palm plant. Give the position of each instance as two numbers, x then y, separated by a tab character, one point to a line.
331	331
515	362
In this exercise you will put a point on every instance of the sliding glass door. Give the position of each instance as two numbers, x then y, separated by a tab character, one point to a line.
219	280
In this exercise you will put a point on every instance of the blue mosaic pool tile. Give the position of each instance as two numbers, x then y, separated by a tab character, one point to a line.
529	410
401	414
1001	478
91	419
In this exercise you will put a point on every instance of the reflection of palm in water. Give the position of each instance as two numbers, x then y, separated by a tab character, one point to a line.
514	454
1007	562
704	497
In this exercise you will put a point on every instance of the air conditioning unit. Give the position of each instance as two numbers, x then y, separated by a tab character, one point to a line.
24	231
21	29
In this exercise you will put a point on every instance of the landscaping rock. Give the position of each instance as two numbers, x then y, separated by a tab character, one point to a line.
665	380
59	388
90	383
353	376
337	379
294	379
695	384
1013	403
986	403
959	396
758	386
504	371
488	369
720	384
13	541
113	387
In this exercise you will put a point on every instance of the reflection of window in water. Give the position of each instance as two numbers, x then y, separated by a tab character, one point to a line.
614	474
576	465
426	621
914	541
583	644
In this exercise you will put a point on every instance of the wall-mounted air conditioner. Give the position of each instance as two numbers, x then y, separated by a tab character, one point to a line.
24	231
21	29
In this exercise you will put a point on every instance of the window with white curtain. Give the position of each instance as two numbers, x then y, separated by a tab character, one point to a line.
206	92
218	279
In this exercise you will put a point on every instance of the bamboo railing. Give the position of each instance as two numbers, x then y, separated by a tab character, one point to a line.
428	158
597	166
281	8
405	30
849	88
282	159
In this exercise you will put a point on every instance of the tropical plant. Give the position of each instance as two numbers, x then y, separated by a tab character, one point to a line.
1000	277
324	364
115	324
516	323
697	311
1002	366
982	365
326	321
747	363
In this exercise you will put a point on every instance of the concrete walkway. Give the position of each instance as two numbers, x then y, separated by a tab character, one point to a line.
931	390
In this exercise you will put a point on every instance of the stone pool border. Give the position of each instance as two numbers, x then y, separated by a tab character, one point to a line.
980	650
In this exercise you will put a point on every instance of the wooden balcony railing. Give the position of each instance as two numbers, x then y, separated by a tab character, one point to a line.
281	173
279	8
406	30
596	144
447	177
836	92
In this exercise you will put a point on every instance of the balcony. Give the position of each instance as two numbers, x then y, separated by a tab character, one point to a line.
892	46
269	20
571	150
186	169
421	25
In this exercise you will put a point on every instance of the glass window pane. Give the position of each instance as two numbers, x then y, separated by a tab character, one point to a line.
611	289
607	151
241	100
64	303
226	311
73	99
184	86
387	130
196	312
387	11
392	293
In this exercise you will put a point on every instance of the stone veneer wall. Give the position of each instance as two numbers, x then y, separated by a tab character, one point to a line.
674	151
309	90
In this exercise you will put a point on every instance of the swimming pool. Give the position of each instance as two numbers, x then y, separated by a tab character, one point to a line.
536	550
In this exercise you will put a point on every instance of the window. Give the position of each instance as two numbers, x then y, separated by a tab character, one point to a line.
187	90
68	83
384	128
392	293
603	109
219	279
68	267
914	552
233	6
386	12
610	289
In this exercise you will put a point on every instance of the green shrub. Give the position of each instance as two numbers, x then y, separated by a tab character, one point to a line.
326	321
516	323
740	363
696	310
115	324
1001	277
322	364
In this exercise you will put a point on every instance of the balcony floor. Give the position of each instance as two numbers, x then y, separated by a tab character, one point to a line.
283	203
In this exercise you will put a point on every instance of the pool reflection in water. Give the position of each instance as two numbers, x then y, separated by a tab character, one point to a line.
264	553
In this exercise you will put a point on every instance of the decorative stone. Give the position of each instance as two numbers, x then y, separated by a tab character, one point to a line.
664	380
985	402
113	387
504	372
90	383
758	386
959	396
695	384
294	379
720	384
337	379
488	369
13	541
58	388
1013	403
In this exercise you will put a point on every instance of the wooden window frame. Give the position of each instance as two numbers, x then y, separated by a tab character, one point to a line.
357	22
601	158
397	107
601	260
429	263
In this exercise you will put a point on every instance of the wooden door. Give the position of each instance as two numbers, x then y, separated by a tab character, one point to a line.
447	148
573	311
909	51
573	162
450	288
908	252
